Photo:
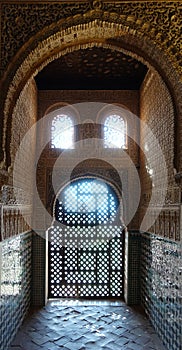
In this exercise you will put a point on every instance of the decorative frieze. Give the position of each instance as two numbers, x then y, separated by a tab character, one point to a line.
164	222
10	195
172	197
15	212
14	220
22	21
125	22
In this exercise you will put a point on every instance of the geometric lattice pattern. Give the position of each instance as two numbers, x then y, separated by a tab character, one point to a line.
85	257
114	132
87	202
62	132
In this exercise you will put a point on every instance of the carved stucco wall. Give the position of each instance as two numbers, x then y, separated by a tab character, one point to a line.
21	21
129	99
50	100
24	116
15	202
156	110
148	31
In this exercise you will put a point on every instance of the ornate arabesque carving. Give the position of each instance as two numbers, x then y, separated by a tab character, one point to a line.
91	30
14	220
15	212
122	23
10	195
160	20
167	224
133	31
52	44
156	102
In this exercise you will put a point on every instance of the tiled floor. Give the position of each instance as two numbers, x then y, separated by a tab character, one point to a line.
76	325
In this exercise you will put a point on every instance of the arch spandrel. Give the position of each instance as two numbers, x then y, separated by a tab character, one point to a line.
161	21
98	32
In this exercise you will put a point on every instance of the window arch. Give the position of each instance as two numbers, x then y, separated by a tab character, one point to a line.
115	131
87	202
62	131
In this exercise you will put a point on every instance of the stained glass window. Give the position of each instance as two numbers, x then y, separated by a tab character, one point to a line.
62	132
114	132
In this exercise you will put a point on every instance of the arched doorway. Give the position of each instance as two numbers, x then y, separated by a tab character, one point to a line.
116	33
85	255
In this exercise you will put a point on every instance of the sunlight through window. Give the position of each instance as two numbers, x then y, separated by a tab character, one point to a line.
62	132
114	132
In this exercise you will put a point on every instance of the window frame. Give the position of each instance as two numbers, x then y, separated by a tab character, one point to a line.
73	133
110	114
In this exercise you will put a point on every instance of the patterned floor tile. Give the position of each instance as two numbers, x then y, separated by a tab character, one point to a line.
84	325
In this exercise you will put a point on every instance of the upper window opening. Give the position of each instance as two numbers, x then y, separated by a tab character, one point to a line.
62	132
114	131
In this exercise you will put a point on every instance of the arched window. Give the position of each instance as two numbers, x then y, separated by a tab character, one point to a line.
114	131
86	242
62	132
87	202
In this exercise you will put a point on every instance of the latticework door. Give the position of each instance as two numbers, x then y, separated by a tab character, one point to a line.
86	248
